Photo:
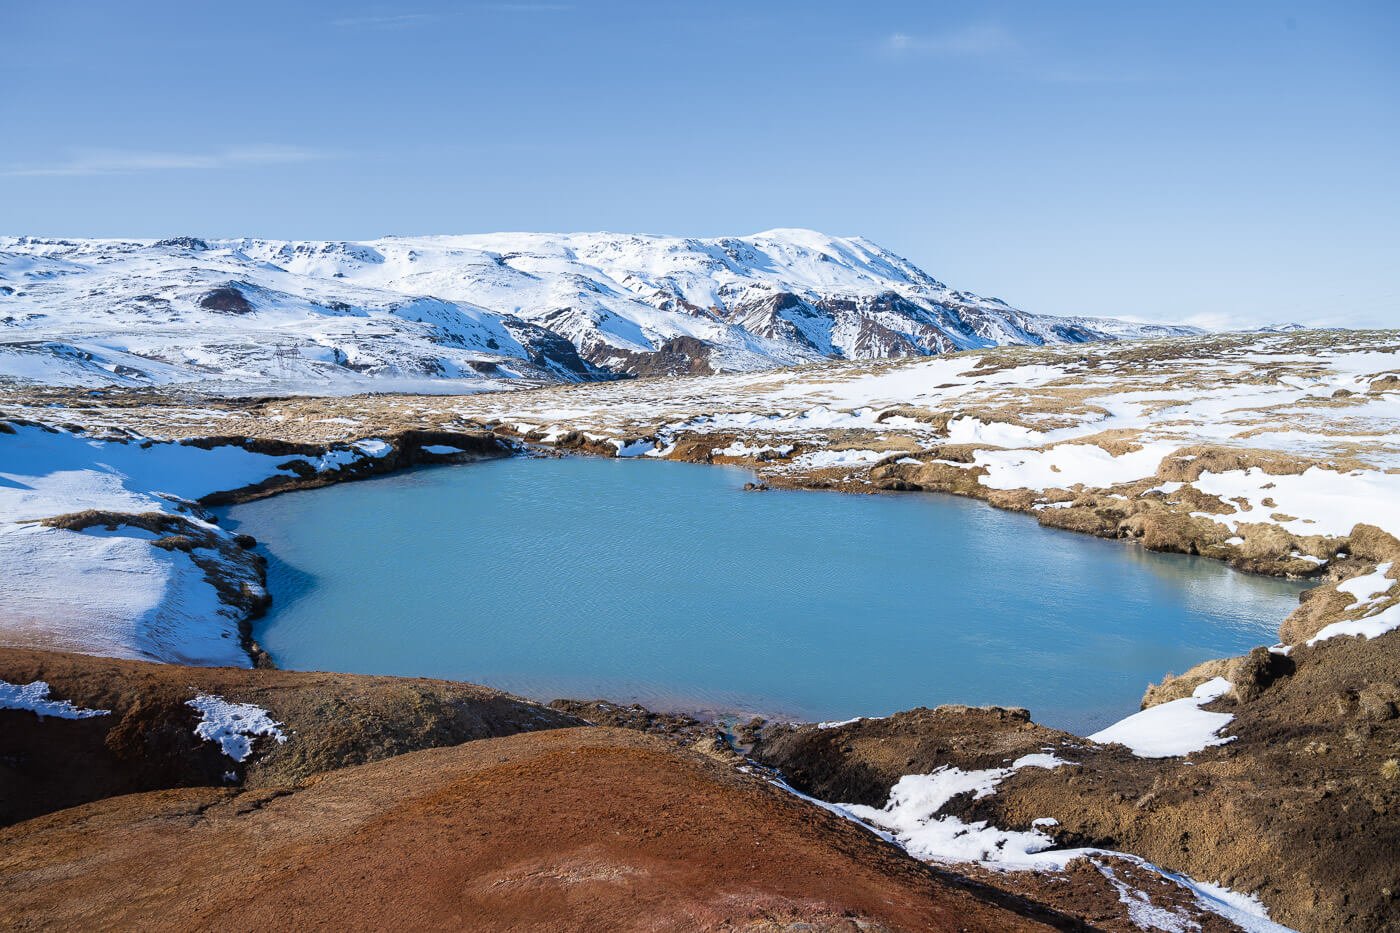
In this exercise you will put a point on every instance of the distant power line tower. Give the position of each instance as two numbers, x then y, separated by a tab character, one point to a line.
282	355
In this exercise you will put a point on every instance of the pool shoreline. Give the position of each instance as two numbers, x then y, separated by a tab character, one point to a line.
680	700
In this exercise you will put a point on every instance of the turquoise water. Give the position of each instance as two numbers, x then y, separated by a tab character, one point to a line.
665	584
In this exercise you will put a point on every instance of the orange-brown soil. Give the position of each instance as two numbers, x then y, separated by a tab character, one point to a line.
575	829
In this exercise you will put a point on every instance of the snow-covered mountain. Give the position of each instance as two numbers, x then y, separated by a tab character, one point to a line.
481	311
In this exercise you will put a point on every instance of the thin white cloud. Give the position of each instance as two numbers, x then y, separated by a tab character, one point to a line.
408	20
393	21
122	162
973	40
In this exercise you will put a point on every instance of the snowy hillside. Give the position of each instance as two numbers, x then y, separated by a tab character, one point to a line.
481	312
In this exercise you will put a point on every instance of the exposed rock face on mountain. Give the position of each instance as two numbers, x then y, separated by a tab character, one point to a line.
478	312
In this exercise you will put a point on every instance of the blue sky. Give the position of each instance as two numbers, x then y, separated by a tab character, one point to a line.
1225	163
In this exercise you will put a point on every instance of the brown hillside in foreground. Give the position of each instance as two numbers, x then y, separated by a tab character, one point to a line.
147	742
574	829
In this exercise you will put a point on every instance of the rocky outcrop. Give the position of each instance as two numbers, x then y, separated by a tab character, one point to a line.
888	325
547	349
1248	676
678	356
675	727
181	242
227	298
859	762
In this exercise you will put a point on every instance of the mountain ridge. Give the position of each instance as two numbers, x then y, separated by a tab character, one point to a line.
484	310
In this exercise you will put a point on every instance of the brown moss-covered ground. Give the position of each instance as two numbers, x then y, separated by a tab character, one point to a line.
148	741
471	809
577	829
1303	806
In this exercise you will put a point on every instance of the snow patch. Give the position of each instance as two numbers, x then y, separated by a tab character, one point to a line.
974	431
826	459
1179	727
1142	913
1047	760
1368	589
233	725
34	696
636	448
374	447
1068	465
1325	502
838	723
741	449
1370	627
911	816
340	458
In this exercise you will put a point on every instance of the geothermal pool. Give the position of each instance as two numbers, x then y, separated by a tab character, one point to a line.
665	584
